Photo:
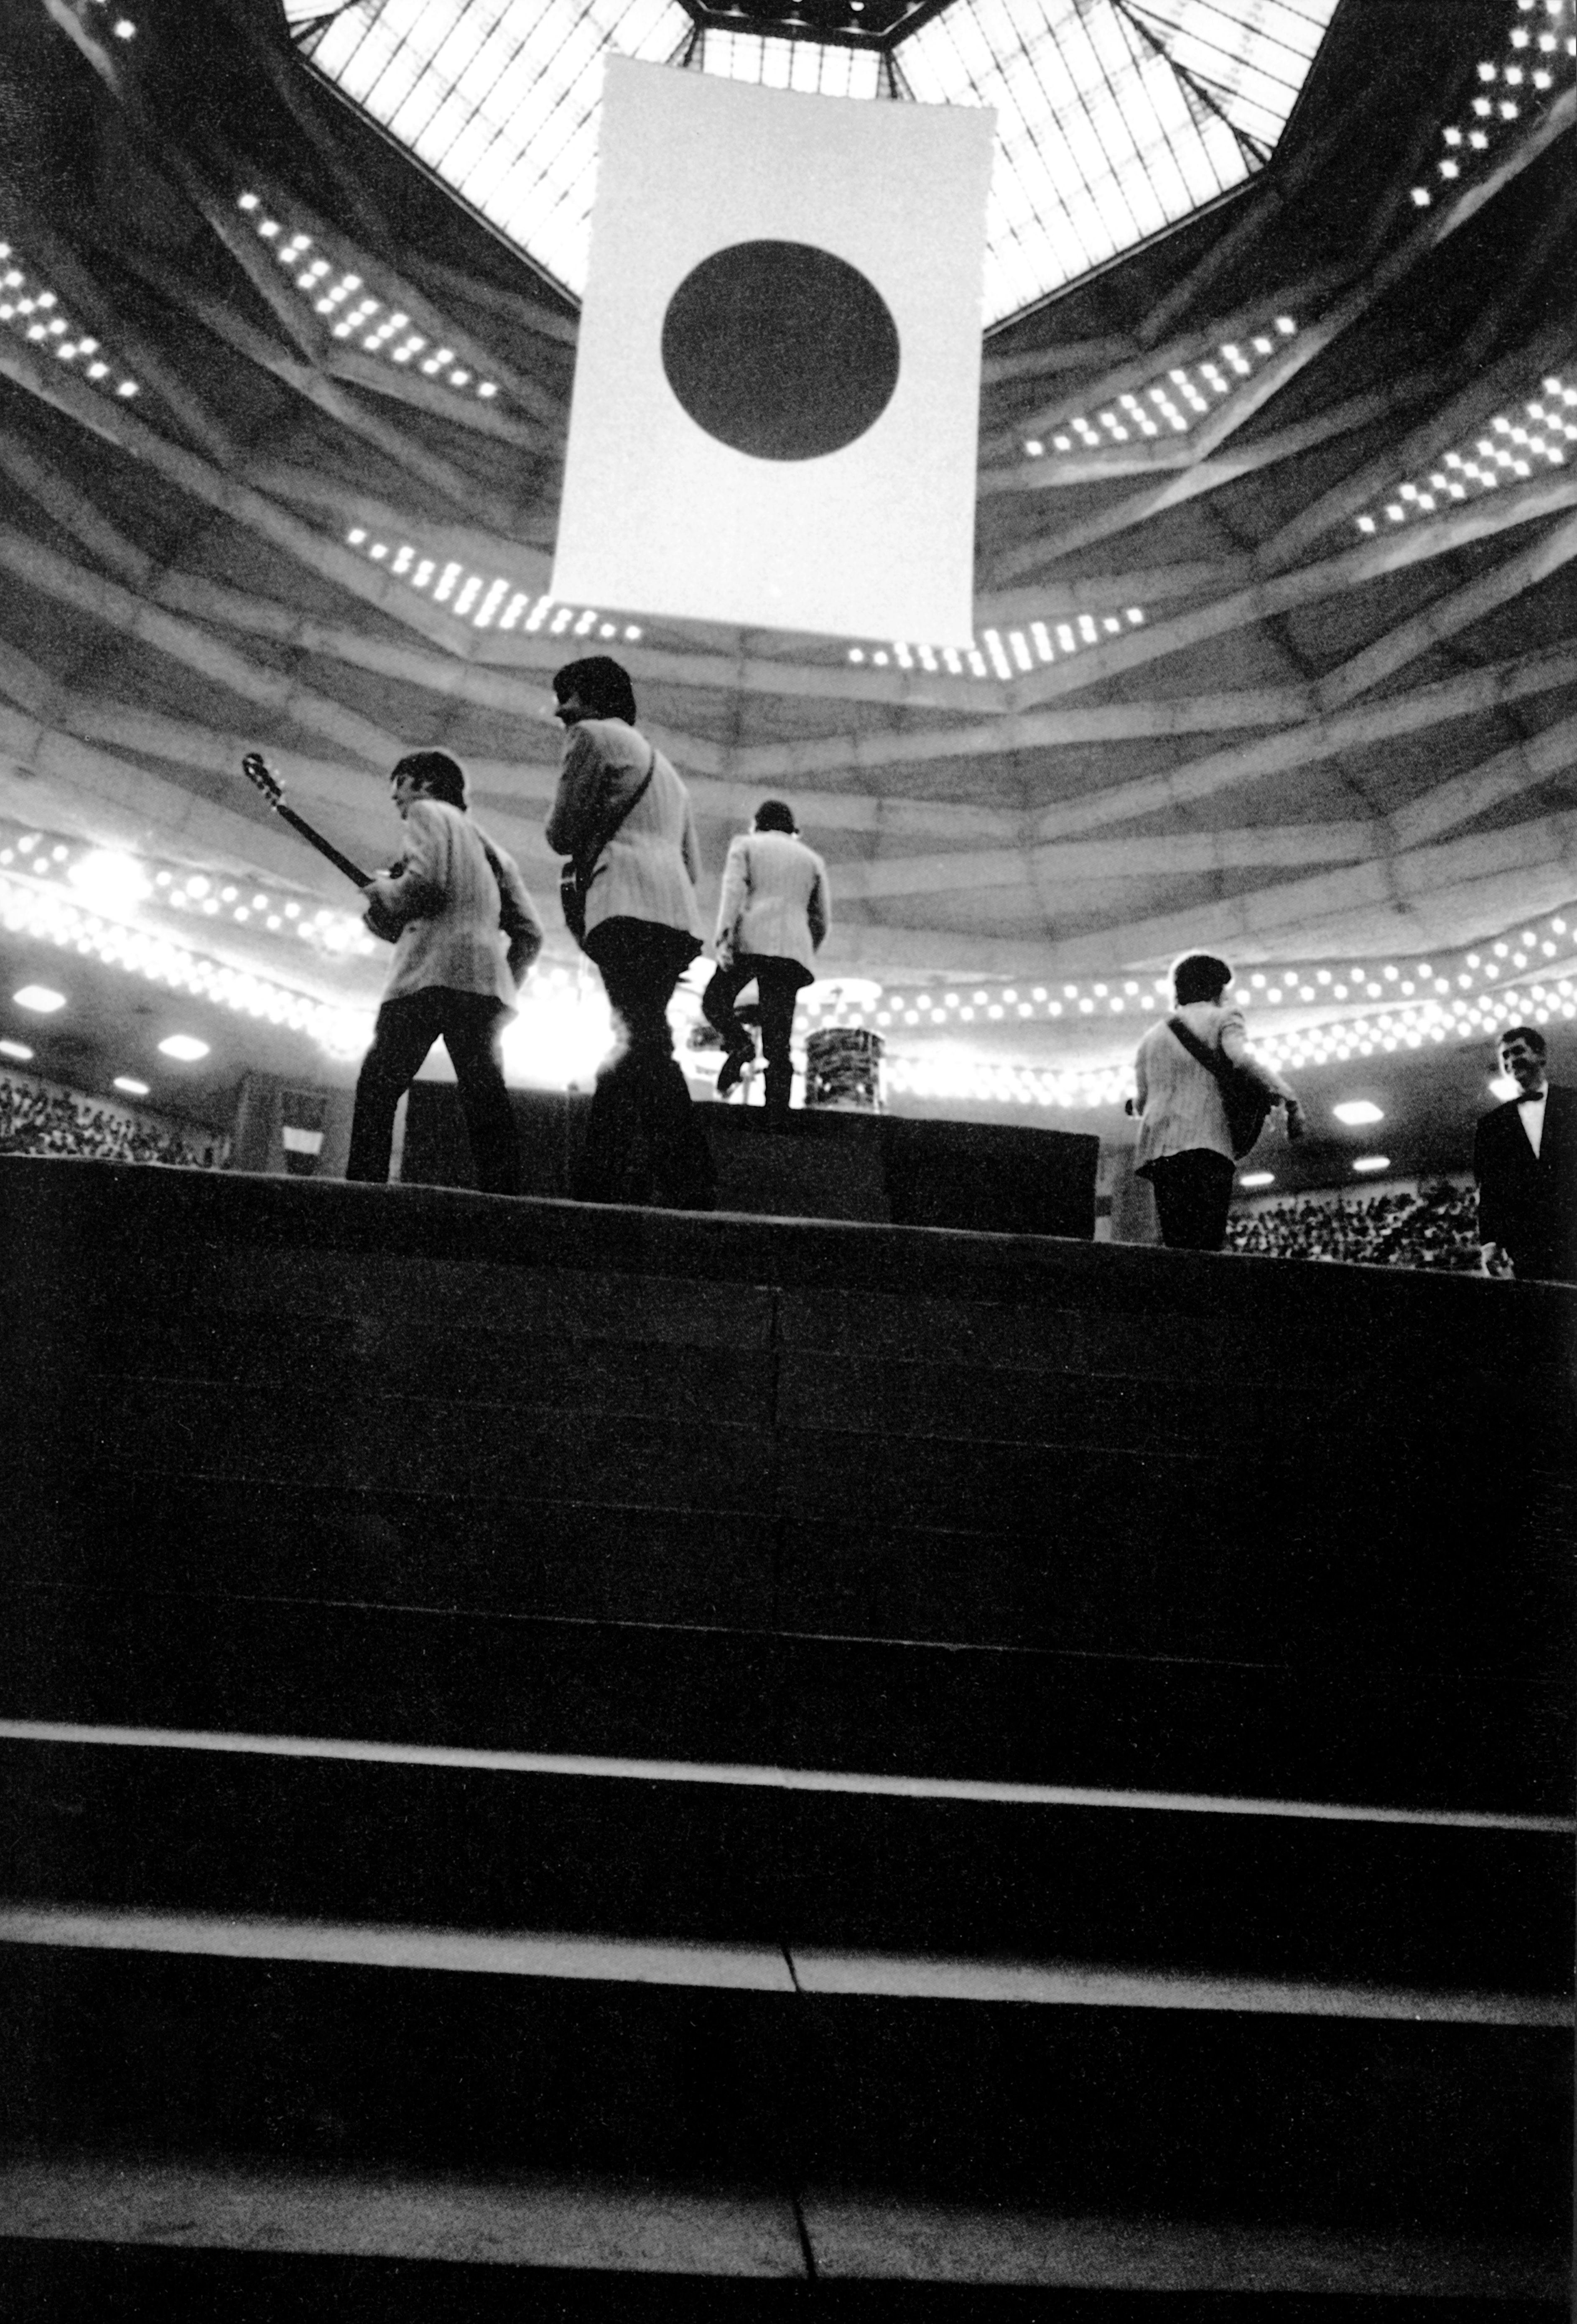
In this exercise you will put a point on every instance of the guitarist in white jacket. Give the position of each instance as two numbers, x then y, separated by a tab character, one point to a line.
464	932
772	918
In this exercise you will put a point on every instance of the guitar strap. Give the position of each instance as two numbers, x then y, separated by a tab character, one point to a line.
1224	1069
610	830
506	917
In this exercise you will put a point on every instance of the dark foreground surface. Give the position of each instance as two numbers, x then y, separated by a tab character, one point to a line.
725	1762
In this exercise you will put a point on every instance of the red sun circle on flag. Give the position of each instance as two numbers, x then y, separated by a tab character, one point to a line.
780	350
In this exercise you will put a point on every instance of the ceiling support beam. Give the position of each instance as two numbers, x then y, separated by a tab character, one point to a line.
276	691
1058	873
1283	593
519	310
1325	734
297	315
1117	721
1469	408
1062	355
1288	175
408	387
454	484
75	514
1377	282
73	281
1393	892
297	87
1146	364
99	796
1099	466
1202	476
1523	768
1104	592
1450	614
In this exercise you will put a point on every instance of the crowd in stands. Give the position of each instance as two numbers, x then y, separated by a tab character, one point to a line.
36	1119
1437	1227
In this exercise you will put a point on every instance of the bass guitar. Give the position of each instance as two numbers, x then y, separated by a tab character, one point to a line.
262	778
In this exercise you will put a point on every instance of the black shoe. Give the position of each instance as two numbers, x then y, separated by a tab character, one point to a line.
732	1070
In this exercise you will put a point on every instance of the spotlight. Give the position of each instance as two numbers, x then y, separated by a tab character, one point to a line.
1355	1112
41	998
132	1088
109	879
185	1047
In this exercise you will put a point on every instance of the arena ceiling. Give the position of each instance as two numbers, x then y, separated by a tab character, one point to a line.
1274	565
1115	118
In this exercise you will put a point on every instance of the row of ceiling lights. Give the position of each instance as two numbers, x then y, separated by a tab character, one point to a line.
1005	653
1363	1165
1388	982
33	312
924	1077
43	1000
493	602
380	330
1507	454
119	882
485	602
56	919
1534	58
1179	397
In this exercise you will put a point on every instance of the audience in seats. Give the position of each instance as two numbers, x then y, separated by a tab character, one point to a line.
1435	1228
36	1120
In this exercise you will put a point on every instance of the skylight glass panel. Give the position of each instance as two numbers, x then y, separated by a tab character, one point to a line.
1253	59
1116	118
1110	116
500	98
804	65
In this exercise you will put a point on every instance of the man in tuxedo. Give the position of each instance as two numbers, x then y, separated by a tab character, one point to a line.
1525	1161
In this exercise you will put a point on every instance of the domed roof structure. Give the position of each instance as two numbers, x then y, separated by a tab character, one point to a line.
1115	118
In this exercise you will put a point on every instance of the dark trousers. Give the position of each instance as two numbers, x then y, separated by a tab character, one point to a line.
778	984
1542	1262
642	1134
1194	1194
469	1025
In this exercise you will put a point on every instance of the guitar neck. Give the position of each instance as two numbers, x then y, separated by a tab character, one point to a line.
325	847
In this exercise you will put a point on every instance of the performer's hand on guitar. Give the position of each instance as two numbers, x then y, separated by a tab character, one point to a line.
378	919
380	922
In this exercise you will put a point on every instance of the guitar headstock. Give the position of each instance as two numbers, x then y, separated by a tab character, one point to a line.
256	768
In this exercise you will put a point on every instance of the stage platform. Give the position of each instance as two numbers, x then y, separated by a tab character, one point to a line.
732	1760
883	1169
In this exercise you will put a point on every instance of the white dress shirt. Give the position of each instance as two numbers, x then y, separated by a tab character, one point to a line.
1530	1112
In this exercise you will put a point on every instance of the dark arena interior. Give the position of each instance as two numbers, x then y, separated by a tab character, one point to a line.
878	1738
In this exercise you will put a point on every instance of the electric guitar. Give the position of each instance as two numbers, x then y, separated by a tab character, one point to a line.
259	774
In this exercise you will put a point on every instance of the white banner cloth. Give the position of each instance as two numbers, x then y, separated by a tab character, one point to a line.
771	273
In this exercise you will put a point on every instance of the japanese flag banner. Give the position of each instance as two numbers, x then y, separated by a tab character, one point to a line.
776	411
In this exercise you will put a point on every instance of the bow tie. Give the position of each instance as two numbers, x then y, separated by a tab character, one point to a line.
1531	1097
